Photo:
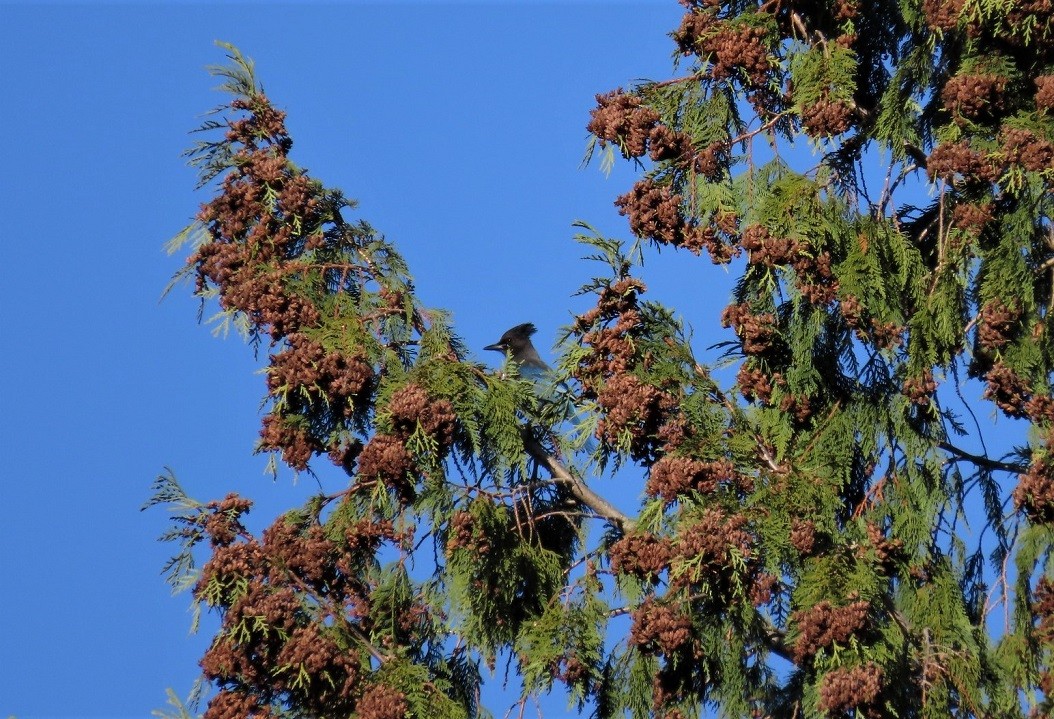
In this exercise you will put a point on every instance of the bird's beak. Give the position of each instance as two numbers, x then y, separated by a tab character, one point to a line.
495	347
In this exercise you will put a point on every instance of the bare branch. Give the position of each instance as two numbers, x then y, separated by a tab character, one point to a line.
579	489
981	460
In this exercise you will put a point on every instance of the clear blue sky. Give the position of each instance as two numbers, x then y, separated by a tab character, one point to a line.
460	128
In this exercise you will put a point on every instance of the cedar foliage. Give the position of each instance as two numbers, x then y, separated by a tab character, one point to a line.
800	550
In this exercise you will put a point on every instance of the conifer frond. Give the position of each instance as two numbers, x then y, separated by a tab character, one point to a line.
833	530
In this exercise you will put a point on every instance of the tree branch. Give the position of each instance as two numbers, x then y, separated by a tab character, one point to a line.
981	460
579	489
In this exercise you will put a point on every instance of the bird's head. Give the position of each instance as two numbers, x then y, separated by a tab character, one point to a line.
514	339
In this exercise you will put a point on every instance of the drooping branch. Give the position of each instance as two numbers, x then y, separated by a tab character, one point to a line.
981	460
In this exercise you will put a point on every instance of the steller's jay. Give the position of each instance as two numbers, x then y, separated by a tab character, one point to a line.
517	346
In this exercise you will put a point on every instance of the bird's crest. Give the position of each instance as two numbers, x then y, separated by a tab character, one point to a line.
515	339
525	330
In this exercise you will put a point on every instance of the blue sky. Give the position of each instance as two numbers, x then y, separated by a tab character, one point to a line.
459	128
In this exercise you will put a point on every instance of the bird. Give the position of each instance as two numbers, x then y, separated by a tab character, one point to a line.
516	344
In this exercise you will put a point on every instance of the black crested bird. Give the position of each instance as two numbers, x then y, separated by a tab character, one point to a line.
517	346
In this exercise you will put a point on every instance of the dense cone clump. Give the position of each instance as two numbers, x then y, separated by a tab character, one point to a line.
694	25
804	536
269	647
755	385
942	14
464	534
764	249
385	458
1044	93
654	212
309	381
272	631
716	550
249	224
411	408
293	439
236	705
1027	150
1034	494
958	160
827	117
632	407
735	51
623	119
304	552
382	702
222	522
1041	409
757	332
975	97
1007	389
710	162
972	218
996	322
671	477
814	277
920	389
843	690
738	52
824	624
645	556
305	368
611	353
660	628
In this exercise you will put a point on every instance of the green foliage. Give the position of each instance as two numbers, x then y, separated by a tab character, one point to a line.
569	632
822	72
504	579
878	177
